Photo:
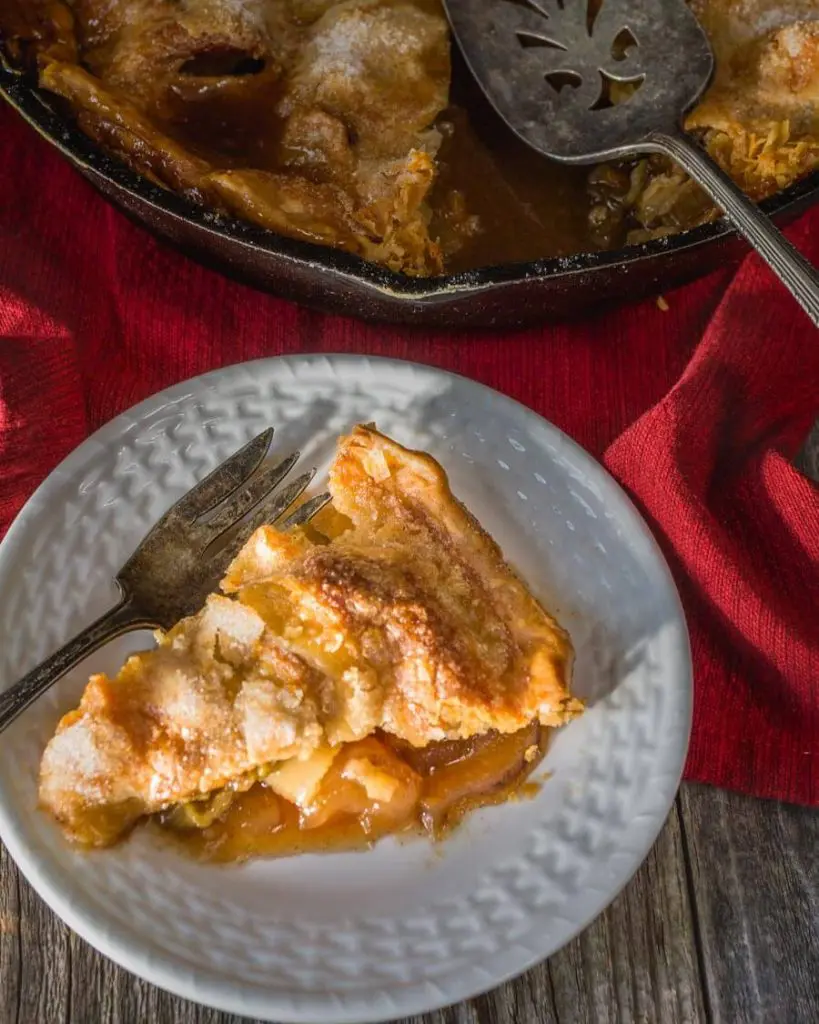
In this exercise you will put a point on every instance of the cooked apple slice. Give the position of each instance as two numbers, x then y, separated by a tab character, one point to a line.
367	781
480	776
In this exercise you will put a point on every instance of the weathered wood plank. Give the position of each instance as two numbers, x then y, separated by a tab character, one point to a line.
44	959
529	999
34	975
10	967
755	875
101	991
637	961
104	993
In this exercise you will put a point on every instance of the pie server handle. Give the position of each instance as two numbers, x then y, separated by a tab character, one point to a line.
790	266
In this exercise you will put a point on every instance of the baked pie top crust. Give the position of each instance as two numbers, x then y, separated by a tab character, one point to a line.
406	623
335	121
311	117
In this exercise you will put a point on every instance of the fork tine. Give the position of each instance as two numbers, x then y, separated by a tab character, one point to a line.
304	513
224	480
268	511
242	501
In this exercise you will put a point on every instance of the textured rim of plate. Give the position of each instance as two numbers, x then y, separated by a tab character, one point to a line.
217	992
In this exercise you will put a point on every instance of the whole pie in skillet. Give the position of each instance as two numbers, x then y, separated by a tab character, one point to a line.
340	122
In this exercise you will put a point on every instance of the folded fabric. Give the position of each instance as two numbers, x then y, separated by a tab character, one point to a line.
699	412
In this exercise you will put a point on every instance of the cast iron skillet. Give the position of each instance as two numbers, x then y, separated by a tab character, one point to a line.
505	296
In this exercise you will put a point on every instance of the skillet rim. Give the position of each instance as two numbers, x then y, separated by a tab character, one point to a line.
34	105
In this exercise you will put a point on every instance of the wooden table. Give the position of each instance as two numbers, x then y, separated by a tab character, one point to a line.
721	923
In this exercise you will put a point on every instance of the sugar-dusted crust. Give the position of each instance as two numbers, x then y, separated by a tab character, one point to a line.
485	654
408	621
313	118
760	117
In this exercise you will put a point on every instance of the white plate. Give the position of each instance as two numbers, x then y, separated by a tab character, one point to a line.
403	928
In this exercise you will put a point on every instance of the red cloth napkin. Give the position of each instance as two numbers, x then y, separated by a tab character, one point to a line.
698	411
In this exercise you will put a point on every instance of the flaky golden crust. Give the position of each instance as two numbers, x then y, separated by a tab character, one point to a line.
492	657
759	119
119	126
761	115
314	120
407	621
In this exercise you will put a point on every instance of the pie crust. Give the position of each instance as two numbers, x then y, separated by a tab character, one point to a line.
337	669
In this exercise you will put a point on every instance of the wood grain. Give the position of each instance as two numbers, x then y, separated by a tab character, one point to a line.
755	883
638	961
34	958
9	938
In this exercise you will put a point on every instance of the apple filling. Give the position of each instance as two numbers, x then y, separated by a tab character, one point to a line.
349	797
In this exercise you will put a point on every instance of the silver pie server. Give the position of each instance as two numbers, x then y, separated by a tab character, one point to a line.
583	81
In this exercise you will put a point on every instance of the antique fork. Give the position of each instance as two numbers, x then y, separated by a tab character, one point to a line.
182	558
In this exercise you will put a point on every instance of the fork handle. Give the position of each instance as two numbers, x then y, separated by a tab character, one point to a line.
793	270
124	618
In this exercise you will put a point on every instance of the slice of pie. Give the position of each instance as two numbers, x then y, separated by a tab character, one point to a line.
378	669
